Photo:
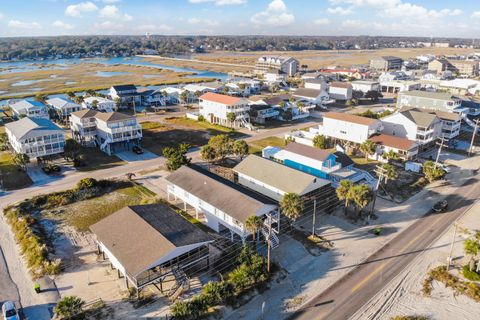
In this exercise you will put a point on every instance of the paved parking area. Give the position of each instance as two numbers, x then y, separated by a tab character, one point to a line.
38	176
129	156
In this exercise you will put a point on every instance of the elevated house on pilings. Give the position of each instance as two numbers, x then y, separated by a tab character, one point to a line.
148	243
223	205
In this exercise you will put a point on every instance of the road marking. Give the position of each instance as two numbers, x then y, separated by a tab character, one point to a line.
367	278
418	236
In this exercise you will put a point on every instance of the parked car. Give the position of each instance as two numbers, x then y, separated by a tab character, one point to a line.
440	206
9	312
137	150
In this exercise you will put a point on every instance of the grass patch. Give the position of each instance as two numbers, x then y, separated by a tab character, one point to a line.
258	145
95	159
81	215
11	175
470	275
193	221
467	288
175	131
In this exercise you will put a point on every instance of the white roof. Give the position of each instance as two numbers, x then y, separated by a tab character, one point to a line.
22	105
99	100
460	83
171	90
61	103
196	87
32	127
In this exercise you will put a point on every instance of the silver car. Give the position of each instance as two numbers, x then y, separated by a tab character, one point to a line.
9	312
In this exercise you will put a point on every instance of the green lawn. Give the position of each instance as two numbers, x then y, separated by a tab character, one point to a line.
257	145
83	214
11	175
95	159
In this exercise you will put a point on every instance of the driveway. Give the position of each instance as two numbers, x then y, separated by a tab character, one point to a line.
129	156
38	176
8	289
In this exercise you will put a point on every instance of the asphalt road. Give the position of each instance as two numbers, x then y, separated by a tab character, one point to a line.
8	289
349	294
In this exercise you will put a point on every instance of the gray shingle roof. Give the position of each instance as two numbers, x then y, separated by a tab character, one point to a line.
305	92
427	94
276	175
308	151
139	236
112	116
421	119
231	198
24	126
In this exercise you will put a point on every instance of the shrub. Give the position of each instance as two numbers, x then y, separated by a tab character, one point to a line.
215	292
201	118
86	183
470	289
70	307
427	287
470	275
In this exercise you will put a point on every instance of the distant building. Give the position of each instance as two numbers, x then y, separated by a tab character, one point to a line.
365	86
29	108
340	91
287	65
462	67
101	104
35	137
63	106
313	96
386	63
429	100
215	107
127	94
317	84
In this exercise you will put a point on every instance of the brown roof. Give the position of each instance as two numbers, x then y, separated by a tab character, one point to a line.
450	116
112	116
306	92
308	151
85	113
220	98
233	199
140	236
347	117
341	85
393	142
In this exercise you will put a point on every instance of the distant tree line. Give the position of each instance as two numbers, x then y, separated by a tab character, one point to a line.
110	46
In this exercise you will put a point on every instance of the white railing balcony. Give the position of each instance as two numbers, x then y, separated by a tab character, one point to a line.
126	137
331	169
43	152
42	142
125	129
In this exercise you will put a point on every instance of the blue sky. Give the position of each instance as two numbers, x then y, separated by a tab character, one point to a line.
212	17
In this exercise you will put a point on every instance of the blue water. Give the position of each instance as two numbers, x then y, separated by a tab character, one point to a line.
108	74
55	64
25	66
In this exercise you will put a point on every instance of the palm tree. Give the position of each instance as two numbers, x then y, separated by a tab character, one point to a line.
343	192
368	147
361	195
291	206
130	176
231	117
390	172
253	224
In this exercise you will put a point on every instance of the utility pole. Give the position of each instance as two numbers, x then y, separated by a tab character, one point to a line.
449	258
439	151
314	214
269	248
470	150
381	174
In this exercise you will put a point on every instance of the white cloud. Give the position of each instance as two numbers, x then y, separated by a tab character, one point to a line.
208	22
409	10
476	14
220	2
16	24
109	26
276	15
322	22
76	10
113	12
110	1
340	11
62	25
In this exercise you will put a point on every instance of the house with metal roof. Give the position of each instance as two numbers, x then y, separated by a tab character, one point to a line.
148	243
101	104
422	127
274	179
63	106
438	101
29	108
222	204
35	137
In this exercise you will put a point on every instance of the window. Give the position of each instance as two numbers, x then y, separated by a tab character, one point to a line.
343	132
